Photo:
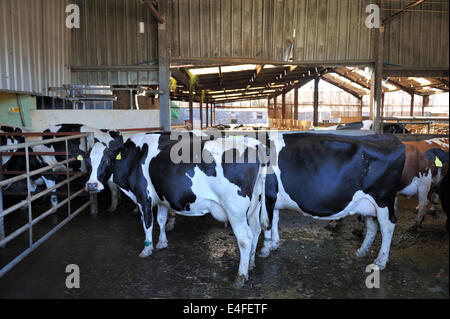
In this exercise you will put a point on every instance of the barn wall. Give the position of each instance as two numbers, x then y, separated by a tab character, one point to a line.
325	30
108	47
117	119
34	45
420	37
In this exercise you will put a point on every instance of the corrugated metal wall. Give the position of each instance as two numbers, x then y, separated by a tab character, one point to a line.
109	37
34	45
325	30
420	37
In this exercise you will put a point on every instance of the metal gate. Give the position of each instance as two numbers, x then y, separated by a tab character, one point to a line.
69	175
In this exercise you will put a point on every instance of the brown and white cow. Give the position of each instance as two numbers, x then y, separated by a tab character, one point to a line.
426	164
421	173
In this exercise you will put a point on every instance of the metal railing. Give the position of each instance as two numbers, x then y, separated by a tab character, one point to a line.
27	175
418	120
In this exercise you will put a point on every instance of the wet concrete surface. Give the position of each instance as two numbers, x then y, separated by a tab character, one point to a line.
202	260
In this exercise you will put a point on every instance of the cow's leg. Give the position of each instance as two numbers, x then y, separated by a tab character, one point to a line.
372	227
267	245
387	230
275	234
255	226
114	196
48	184
162	220
244	237
147	222
170	225
423	188
358	230
271	237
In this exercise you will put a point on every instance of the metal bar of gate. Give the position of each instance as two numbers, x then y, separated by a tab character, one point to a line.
35	172
30	198
19	258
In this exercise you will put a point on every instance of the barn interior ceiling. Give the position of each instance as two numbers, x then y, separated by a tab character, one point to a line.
231	83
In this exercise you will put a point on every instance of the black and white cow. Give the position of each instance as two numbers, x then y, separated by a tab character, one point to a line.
18	163
76	148
329	177
390	128
223	177
10	140
443	191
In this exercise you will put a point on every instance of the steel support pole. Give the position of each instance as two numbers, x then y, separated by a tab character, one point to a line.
378	75
164	71
316	102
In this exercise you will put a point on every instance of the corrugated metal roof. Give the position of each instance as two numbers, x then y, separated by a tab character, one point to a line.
108	48
317	30
35	45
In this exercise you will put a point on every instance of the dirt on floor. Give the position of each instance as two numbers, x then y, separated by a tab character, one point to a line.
202	260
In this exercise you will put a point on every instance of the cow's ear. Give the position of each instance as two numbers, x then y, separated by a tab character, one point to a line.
116	144
80	155
434	153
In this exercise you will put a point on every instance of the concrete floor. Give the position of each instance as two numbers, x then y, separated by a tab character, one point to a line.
202	260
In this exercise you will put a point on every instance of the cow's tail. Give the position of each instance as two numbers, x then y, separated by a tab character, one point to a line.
264	164
264	217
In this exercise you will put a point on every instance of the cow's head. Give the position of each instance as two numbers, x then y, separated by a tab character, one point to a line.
440	161
101	160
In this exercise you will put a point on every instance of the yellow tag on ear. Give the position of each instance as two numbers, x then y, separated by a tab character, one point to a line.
438	162
79	158
119	156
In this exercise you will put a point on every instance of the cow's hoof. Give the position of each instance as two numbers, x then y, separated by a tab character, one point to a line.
358	232
275	245
239	282
360	253
333	225
162	245
145	253
170	226
414	228
381	265
251	265
264	253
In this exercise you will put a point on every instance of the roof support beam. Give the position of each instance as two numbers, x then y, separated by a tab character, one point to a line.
364	85
154	12
401	87
342	88
400	12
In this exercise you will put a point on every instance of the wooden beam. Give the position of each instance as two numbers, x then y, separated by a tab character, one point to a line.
181	76
411	109
401	87
445	82
425	103
342	88
364	85
402	11
283	109
160	18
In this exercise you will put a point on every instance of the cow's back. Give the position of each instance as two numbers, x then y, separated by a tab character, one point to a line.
321	173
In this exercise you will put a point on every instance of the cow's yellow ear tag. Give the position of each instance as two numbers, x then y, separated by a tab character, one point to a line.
437	162
119	156
79	158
